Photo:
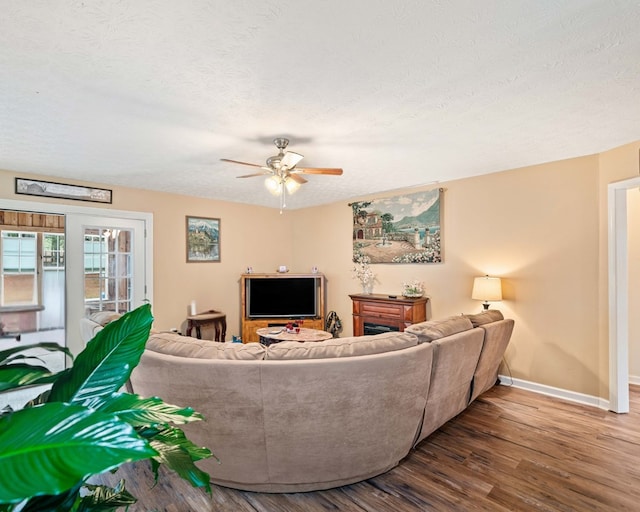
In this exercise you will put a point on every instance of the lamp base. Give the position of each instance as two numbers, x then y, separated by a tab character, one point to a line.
485	305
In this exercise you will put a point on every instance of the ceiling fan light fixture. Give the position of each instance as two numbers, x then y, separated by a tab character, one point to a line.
274	185
291	185
282	176
274	162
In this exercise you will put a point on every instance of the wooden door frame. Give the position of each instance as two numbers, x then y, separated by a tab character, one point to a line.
64	209
618	278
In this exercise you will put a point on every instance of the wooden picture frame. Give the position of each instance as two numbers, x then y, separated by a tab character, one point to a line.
203	239
62	191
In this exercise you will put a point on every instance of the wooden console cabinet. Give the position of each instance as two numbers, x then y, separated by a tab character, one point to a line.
251	325
385	312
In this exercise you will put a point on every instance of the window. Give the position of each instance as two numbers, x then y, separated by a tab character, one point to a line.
53	251
18	283
107	269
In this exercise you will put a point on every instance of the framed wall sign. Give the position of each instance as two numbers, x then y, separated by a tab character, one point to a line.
203	239
62	191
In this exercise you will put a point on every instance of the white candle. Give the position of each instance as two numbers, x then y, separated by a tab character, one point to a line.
192	308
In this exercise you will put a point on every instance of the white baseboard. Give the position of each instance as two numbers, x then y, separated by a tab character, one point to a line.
634	379
564	394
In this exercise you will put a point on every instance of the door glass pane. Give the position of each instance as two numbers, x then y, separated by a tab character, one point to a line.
108	279
53	278
18	282
32	283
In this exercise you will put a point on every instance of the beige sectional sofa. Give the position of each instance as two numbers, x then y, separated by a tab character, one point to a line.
306	416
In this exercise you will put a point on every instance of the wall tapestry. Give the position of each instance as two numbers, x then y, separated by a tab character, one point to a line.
398	229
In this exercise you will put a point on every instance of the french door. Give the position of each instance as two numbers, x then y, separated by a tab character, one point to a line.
106	267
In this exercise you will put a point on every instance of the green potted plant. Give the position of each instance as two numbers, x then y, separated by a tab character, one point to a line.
85	426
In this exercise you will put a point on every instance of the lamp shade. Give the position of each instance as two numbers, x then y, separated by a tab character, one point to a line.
291	185
274	185
487	288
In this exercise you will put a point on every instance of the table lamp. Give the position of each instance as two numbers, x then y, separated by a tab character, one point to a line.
487	289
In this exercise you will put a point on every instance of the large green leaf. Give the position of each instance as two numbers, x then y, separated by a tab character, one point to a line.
106	363
54	502
21	375
138	411
49	448
6	355
173	436
181	460
105	499
178	453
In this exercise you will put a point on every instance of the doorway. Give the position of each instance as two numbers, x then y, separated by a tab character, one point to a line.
619	294
133	251
106	259
32	287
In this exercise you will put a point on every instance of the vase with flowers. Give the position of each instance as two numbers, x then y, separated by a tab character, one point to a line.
414	289
363	273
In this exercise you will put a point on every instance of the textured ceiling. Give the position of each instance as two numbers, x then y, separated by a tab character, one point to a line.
151	94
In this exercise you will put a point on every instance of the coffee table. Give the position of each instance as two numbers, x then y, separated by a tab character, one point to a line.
271	335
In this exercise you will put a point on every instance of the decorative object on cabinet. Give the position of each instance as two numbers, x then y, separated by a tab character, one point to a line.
363	273
487	289
203	239
413	289
399	229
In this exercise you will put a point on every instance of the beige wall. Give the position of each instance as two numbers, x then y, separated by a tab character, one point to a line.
615	165
535	227
250	235
541	228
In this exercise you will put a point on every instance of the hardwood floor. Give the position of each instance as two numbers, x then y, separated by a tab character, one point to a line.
511	450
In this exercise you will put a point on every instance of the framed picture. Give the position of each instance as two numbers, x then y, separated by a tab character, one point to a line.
203	239
398	229
62	191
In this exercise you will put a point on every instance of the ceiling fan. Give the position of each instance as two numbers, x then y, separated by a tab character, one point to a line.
282	174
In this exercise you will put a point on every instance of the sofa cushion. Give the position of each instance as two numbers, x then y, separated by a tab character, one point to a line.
342	347
185	346
436	329
486	317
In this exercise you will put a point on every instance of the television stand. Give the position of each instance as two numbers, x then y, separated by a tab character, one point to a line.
251	325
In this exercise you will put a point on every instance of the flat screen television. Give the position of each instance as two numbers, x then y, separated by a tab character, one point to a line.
281	297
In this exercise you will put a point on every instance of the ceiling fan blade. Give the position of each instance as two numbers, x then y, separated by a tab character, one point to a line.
297	178
319	170
252	175
290	159
241	163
